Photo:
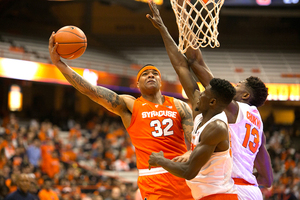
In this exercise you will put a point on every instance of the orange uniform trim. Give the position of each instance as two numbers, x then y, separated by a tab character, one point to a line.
146	68
240	181
220	196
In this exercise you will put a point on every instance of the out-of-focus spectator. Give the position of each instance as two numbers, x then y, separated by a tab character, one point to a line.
11	182
75	132
3	159
19	157
43	132
67	153
47	193
9	147
289	163
22	192
31	135
121	164
34	188
46	150
115	194
4	190
6	171
54	165
97	197
34	152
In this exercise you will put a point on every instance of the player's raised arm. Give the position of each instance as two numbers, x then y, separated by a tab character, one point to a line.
177	59
103	96
199	67
194	57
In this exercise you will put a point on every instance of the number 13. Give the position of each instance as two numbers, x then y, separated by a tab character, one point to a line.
253	145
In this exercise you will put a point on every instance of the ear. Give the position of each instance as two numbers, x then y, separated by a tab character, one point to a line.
212	102
137	85
246	96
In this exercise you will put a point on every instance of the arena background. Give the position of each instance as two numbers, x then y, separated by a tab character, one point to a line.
255	40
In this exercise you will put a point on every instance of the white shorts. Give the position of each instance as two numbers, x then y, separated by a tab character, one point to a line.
248	192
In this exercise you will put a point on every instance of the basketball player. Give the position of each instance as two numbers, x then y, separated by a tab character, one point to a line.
208	170
154	122
246	127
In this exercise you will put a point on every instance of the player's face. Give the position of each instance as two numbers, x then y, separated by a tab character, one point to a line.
149	80
241	90
203	99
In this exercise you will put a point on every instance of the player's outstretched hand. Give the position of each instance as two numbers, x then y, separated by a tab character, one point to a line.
154	157
155	18
183	158
52	49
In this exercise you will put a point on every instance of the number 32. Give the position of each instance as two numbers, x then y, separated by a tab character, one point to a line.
158	127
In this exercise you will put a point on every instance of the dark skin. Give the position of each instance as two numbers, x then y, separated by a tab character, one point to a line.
149	84
214	138
194	60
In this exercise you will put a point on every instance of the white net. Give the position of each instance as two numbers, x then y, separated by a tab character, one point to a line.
197	23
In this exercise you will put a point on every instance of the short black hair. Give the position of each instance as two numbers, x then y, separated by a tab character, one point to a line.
222	89
258	90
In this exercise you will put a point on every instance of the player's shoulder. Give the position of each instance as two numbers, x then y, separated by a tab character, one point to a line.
179	102
215	131
127	97
182	106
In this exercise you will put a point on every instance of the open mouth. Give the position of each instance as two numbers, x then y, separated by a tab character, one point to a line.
151	81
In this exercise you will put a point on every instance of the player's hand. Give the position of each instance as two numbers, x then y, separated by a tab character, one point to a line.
183	158
154	157
52	49
155	19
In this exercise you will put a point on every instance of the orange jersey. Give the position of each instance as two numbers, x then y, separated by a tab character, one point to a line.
155	128
47	195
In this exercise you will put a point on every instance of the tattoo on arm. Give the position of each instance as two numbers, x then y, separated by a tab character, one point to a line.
100	92
70	80
187	120
110	97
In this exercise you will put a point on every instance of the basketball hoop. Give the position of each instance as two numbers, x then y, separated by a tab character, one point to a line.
197	23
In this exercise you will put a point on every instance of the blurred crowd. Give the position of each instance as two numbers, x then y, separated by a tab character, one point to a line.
71	162
283	144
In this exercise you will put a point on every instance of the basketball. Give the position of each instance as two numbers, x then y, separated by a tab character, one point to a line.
71	41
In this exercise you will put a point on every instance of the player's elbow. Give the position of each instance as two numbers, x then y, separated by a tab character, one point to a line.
269	182
268	185
189	175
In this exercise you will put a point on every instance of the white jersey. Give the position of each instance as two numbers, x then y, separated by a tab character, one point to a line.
215	176
246	136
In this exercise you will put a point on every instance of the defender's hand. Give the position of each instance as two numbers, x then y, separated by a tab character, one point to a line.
155	19
183	158
154	157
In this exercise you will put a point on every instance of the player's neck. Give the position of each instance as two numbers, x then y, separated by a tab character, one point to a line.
208	115
156	98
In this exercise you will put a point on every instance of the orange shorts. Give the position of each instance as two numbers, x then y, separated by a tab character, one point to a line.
221	196
164	187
